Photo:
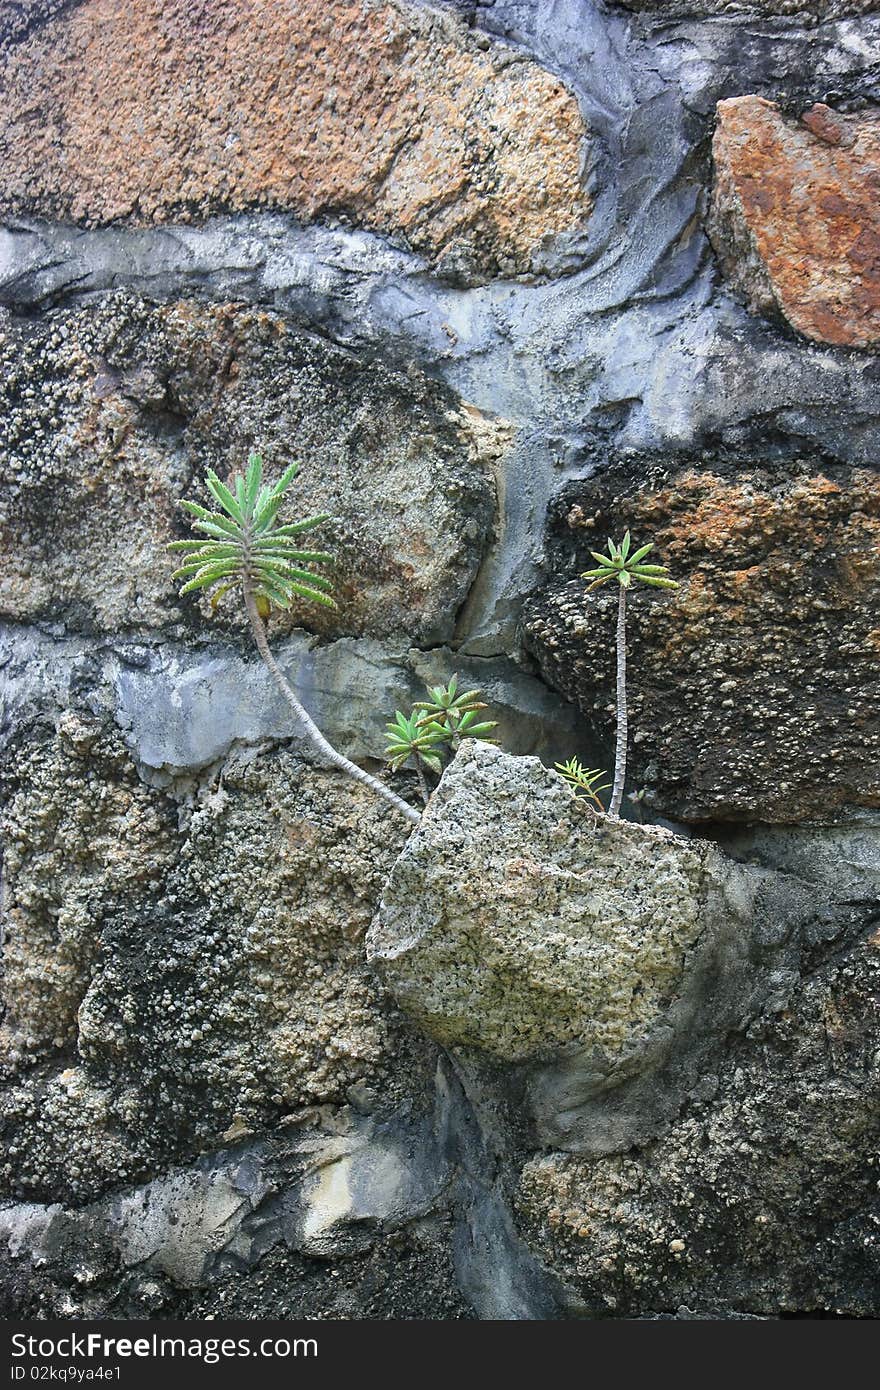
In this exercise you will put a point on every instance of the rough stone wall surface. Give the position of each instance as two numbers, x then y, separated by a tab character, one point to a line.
504	278
204	977
817	9
376	112
770	643
787	1225
514	924
136	400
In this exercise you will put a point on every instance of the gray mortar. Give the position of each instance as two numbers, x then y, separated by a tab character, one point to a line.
330	1186
183	710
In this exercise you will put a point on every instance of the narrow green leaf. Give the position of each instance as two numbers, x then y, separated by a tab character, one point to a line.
204	515
200	567
201	581
221	568
659	583
211	528
274	593
186	546
286	479
313	594
220	594
266	512
307	577
218	489
252	482
296	528
281	572
224	549
290	555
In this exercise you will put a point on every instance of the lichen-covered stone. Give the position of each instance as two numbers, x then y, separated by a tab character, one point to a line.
113	412
376	112
203	979
754	689
763	1198
517	922
80	832
19	17
795	216
155	1173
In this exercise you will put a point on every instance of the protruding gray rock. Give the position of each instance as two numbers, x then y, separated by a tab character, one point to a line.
518	922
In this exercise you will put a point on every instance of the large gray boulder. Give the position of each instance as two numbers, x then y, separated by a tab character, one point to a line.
518	922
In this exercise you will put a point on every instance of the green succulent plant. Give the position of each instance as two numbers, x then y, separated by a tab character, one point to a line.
430	735
454	712
584	779
411	739
245	546
626	567
619	564
422	744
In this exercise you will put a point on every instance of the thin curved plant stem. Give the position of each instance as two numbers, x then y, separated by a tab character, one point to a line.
329	752
423	782
622	721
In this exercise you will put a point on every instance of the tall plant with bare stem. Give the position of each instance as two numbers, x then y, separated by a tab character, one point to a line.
244	548
625	569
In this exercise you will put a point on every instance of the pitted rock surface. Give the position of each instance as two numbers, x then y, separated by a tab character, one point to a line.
795	216
517	922
113	412
754	688
374	112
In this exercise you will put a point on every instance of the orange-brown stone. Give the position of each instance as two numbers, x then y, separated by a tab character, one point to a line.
389	117
795	216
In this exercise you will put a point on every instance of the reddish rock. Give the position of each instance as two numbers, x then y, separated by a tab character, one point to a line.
387	116
795	216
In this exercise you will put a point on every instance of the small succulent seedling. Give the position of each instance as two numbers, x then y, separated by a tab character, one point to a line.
419	744
584	779
625	568
429	737
454	712
244	547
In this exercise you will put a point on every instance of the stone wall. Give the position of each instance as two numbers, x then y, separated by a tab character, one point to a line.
505	278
